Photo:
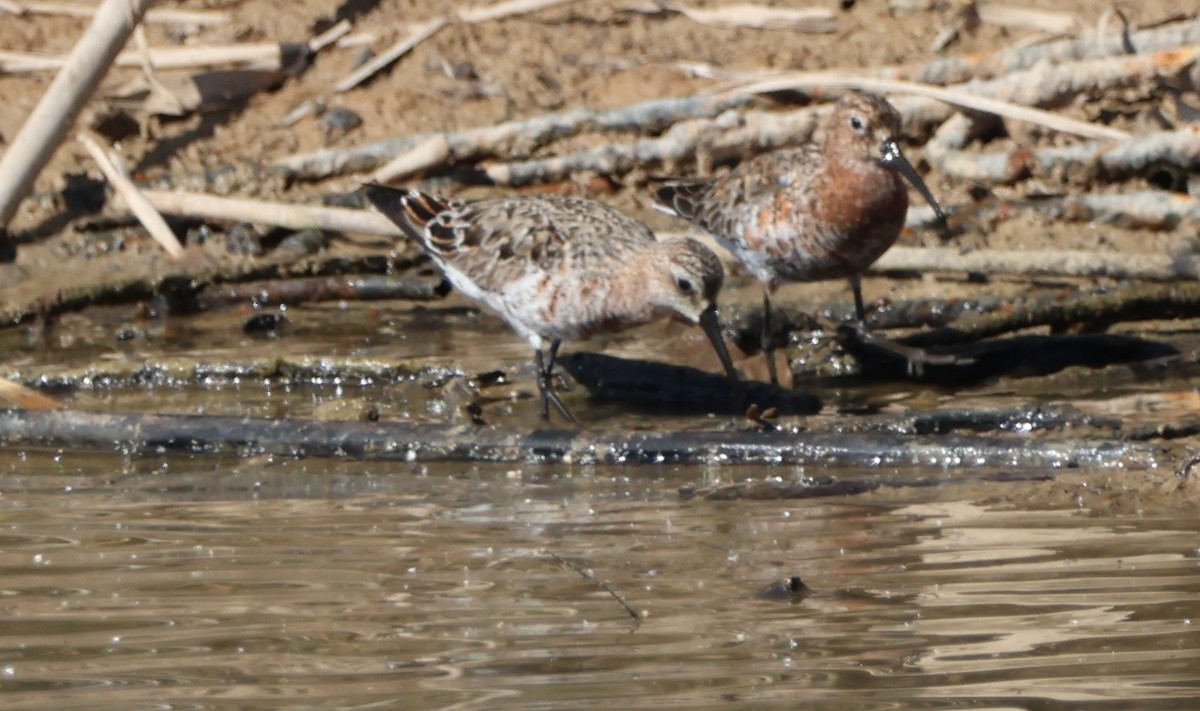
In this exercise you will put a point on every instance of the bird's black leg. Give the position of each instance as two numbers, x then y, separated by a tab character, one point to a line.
917	358
768	338
546	385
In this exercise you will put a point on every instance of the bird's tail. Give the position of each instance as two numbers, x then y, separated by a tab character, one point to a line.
680	197
410	209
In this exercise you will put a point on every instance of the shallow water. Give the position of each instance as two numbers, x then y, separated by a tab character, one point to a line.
203	583
257	582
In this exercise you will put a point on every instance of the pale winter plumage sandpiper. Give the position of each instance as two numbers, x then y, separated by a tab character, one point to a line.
561	268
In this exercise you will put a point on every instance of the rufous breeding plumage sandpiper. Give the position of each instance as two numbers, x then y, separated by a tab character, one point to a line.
824	210
561	268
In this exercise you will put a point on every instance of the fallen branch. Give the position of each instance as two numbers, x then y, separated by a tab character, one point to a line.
412	154
403	441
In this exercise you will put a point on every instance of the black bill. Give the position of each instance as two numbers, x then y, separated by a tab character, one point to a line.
712	329
892	156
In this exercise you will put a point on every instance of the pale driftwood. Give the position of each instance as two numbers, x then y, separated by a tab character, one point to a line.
403	441
525	136
1180	149
813	19
1040	262
45	128
156	16
259	56
519	137
141	208
952	70
258	212
26	398
420	32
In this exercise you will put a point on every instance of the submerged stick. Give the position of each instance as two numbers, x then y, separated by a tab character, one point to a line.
55	113
409	442
587	575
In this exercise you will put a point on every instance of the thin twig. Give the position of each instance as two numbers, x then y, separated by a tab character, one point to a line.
418	34
587	575
138	204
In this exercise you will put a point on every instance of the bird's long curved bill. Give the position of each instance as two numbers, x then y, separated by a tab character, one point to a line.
712	329
891	155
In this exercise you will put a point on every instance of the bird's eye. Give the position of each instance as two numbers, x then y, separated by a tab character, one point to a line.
857	124
684	284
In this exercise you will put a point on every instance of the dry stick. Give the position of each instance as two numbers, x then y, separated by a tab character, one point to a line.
951	70
420	32
519	137
260	56
813	19
587	575
157	16
45	128
259	212
141	208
